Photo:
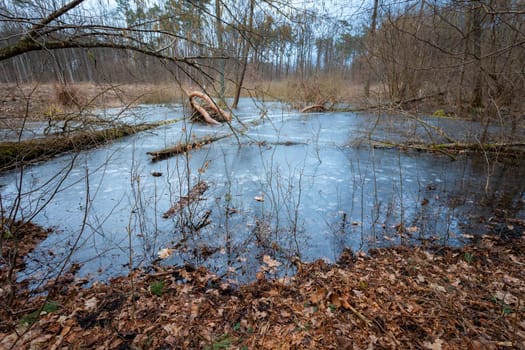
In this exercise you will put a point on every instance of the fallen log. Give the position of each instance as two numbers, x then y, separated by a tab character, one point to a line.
24	152
194	195
516	148
314	108
211	113
183	147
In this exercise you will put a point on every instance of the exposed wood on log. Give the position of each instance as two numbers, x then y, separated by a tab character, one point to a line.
314	108
183	147
194	195
217	114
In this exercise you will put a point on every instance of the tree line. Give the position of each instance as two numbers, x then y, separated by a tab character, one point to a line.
470	53
277	44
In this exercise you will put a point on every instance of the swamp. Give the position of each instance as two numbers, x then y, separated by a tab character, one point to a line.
262	175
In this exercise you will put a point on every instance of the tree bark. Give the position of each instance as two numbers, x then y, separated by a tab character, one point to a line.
220	45
246	51
371	43
477	18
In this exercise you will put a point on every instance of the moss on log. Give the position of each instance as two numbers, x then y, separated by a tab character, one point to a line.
17	153
449	149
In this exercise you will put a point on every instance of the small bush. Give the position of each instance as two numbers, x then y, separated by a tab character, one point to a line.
157	288
69	96
440	113
325	90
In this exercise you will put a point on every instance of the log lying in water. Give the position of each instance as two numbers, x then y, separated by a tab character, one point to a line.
194	195
516	148
210	112
16	153
314	108
183	147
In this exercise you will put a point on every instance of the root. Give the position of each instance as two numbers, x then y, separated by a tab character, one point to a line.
210	112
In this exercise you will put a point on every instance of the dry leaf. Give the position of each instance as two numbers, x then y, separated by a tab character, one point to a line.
506	297
318	295
515	260
358	293
285	314
271	262
91	304
436	345
438	288
164	253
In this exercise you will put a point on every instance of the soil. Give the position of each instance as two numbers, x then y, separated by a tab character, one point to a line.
393	298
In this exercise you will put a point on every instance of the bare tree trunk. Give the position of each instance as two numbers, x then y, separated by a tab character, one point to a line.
220	45
371	45
246	51
477	18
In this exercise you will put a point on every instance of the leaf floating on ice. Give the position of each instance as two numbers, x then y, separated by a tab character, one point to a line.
271	262
164	253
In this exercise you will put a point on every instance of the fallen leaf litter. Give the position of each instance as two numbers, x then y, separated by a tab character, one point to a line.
393	298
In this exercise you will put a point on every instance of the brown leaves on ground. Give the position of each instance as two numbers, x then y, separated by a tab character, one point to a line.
396	298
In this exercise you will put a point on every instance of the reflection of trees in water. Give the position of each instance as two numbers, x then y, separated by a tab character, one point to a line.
505	188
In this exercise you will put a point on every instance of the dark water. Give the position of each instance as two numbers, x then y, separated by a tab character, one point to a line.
292	185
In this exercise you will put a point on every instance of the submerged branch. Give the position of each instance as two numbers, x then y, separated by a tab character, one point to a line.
193	195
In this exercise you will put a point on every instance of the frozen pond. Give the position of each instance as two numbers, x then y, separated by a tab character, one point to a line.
289	185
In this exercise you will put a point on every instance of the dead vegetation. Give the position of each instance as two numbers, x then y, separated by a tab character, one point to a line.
193	195
393	298
323	91
36	101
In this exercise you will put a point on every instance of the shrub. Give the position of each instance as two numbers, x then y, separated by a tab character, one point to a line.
69	96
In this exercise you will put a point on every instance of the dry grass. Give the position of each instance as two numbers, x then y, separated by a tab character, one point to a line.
327	90
39	100
34	101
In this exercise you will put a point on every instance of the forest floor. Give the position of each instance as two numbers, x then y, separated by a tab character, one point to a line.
391	298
